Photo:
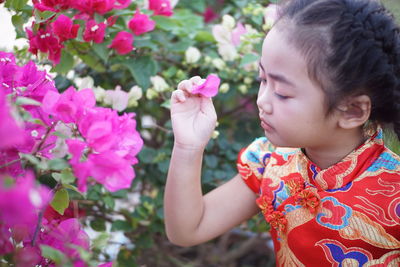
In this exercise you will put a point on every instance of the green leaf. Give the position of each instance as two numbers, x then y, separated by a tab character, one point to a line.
42	16
98	225
66	63
101	240
55	255
109	201
73	188
120	225
67	177
21	101
60	201
204	36
17	5
166	23
58	164
248	58
101	50
18	23
142	68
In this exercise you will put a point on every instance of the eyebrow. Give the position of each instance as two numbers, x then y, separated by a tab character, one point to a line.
277	77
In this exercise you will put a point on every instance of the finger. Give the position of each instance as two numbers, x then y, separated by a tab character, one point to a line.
195	80
185	85
178	96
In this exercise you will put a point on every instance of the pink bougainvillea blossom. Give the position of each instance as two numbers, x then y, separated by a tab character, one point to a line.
45	42
51	5
94	31
94	6
209	15
69	105
161	7
141	23
111	20
122	43
9	125
209	87
20	202
236	33
64	28
64	236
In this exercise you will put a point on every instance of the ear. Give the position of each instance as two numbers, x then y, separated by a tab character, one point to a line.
354	111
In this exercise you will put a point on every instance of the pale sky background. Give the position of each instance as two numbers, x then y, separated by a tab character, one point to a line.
7	32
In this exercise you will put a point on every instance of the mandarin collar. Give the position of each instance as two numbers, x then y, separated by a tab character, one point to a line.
340	175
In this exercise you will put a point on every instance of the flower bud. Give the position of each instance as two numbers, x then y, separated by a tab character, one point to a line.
248	80
99	94
151	94
215	134
243	89
218	63
228	21
192	55
159	83
224	88
135	93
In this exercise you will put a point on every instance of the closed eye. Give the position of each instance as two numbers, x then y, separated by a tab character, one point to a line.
282	97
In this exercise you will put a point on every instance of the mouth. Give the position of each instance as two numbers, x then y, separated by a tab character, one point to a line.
266	126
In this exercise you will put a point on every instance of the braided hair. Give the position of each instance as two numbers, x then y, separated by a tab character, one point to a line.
352	47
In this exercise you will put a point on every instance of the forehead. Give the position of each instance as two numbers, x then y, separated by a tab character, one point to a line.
279	54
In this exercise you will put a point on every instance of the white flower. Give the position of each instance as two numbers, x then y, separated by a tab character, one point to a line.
173	3
227	51
83	83
228	21
99	93
224	88
117	98
192	55
134	95
222	34
151	93
218	63
159	83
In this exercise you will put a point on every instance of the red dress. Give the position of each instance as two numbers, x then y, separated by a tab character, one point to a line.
345	215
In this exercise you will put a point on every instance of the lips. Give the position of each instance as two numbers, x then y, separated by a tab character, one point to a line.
266	126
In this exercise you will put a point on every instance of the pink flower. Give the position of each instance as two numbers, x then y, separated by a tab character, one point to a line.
94	32
20	203
141	23
51	5
111	170
161	7
69	105
122	43
92	6
9	125
209	88
111	20
65	236
209	15
236	33
45	41
64	28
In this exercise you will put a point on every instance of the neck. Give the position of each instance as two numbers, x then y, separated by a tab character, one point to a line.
342	145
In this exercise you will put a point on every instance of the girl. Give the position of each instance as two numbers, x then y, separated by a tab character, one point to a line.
321	176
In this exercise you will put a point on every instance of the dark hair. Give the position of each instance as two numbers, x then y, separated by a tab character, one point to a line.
352	47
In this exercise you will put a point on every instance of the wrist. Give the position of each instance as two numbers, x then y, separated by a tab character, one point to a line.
189	148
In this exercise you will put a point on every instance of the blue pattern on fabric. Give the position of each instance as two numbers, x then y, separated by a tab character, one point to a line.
386	161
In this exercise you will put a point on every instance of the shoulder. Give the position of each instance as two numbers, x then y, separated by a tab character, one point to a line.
387	161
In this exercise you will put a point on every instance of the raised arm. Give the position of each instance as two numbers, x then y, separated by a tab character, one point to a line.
191	218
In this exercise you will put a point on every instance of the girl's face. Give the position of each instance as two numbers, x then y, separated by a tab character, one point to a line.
292	107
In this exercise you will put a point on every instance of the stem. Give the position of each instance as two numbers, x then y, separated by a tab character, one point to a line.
37	228
10	163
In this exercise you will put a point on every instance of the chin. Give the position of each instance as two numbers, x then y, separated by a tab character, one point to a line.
279	142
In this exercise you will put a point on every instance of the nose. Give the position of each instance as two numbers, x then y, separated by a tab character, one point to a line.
264	99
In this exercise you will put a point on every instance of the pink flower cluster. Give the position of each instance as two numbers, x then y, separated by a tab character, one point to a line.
49	36
102	147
